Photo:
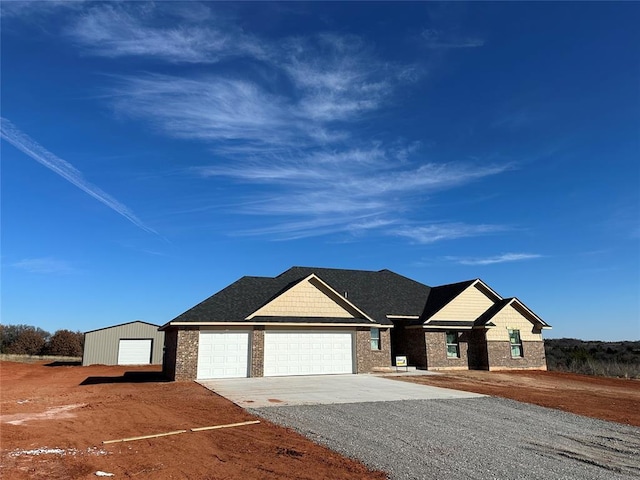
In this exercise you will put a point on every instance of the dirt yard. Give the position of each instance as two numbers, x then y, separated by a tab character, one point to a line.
616	400
55	418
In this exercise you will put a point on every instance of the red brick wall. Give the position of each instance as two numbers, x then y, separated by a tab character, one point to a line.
437	351
499	356
257	352
187	354
366	359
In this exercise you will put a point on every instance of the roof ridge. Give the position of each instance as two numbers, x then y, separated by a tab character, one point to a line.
458	283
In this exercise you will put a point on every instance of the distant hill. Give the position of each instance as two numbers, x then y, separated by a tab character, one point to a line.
610	359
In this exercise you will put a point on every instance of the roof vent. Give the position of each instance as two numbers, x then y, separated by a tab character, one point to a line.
345	294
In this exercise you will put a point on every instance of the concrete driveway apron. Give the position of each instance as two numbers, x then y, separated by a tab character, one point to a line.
324	389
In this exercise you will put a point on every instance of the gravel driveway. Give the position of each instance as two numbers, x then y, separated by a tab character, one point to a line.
477	438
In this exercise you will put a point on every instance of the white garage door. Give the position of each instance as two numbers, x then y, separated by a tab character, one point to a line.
307	353
223	355
134	352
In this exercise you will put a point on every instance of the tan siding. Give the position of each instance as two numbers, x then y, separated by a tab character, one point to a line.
305	300
469	305
510	318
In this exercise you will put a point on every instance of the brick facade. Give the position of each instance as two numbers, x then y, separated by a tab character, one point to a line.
410	342
424	349
186	366
368	360
257	352
181	352
499	356
437	358
428	350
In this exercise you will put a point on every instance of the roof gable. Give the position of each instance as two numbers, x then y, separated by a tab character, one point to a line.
518	306
308	298
376	293
122	325
459	301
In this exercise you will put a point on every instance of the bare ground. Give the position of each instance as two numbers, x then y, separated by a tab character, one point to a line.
55	418
613	399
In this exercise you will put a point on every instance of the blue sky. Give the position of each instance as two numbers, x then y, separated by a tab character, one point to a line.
153	153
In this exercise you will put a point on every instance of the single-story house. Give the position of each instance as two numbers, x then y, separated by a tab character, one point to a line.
133	343
309	321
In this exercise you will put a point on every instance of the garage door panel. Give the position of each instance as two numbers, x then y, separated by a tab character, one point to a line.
134	351
308	353
223	355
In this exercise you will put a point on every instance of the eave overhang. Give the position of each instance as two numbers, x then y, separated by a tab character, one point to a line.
451	325
273	324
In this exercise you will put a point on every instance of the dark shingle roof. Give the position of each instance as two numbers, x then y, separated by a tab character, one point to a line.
377	294
442	295
456	323
486	317
316	320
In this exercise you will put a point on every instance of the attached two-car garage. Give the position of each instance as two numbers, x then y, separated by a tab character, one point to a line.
227	354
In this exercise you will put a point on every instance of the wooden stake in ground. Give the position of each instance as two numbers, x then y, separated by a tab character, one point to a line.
229	425
176	432
131	439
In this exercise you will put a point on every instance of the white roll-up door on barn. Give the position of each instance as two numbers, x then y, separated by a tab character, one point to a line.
134	351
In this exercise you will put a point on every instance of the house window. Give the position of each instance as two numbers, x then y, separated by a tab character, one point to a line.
453	345
375	339
516	343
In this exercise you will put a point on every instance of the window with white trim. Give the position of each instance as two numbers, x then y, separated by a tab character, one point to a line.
516	343
375	339
453	345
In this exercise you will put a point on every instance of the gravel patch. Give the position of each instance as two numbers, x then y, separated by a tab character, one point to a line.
479	438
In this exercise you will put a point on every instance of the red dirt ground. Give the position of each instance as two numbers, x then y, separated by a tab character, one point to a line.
50	409
613	399
76	419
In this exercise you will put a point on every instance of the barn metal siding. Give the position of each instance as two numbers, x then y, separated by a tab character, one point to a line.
101	346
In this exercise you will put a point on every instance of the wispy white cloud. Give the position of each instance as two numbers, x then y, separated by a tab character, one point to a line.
124	30
504	258
44	265
342	188
338	75
209	109
63	168
447	231
288	123
32	9
318	226
333	77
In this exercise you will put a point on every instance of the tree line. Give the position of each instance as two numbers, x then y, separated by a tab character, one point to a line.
30	340
609	359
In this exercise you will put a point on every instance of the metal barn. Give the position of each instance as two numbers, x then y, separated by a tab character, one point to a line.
133	343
